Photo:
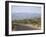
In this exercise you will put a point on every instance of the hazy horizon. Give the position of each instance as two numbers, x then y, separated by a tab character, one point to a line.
19	16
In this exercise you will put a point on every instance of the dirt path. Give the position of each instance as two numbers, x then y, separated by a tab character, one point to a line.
21	27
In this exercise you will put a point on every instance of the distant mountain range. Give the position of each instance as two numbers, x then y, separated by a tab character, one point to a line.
19	16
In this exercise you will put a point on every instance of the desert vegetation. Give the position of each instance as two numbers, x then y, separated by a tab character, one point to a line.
28	21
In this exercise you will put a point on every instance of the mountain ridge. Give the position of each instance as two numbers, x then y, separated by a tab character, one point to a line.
24	15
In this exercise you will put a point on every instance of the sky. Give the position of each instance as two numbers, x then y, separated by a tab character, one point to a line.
25	9
21	12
